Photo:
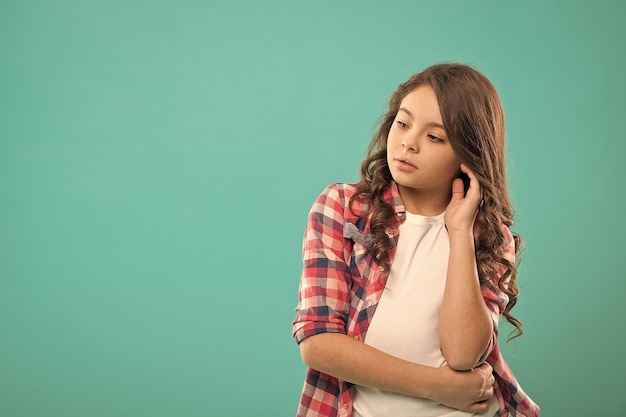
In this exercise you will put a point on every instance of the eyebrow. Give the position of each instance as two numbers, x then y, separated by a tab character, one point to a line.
431	124
406	111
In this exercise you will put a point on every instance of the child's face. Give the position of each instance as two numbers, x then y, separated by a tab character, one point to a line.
419	154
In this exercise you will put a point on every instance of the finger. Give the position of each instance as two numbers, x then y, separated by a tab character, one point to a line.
483	399
474	188
485	393
488	383
486	368
458	191
480	406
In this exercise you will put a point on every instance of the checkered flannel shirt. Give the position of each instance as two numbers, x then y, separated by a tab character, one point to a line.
341	286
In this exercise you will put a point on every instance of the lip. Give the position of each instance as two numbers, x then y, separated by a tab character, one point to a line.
404	164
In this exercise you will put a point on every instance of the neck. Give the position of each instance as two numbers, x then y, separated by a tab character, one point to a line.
424	202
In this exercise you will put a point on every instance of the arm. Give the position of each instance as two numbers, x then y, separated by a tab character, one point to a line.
351	360
465	327
322	311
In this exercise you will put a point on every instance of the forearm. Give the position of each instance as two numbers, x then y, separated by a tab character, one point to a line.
465	326
341	356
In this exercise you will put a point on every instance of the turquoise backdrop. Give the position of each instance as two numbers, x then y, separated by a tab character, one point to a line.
158	160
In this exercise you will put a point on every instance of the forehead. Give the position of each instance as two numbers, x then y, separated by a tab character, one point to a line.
422	103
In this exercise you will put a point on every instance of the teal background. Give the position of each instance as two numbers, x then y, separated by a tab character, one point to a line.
158	160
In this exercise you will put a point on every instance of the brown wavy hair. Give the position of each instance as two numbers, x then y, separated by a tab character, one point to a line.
473	119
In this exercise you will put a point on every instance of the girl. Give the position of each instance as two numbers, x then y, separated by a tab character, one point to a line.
406	273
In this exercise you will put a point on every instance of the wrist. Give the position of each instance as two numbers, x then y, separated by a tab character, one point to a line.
461	235
437	380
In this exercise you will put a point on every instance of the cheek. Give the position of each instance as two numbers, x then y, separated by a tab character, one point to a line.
391	139
392	142
389	158
451	166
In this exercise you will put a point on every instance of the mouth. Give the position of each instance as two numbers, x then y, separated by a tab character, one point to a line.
404	162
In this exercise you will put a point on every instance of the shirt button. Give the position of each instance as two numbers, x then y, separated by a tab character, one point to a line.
369	303
381	268
356	337
344	406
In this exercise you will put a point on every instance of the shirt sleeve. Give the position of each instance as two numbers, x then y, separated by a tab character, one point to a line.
324	291
494	297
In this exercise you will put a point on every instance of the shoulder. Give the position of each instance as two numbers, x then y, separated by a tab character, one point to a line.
335	196
335	207
338	191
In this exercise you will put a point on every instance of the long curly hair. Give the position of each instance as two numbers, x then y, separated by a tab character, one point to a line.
473	119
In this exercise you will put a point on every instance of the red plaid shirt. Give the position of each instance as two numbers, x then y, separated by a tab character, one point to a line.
340	288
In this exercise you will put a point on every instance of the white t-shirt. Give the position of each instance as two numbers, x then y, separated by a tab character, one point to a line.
406	321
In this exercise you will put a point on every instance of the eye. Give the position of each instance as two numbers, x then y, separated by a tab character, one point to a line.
435	139
401	124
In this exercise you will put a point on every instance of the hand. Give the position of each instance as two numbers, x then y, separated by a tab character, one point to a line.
463	207
466	390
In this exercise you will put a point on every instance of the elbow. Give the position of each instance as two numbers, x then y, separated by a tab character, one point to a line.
462	362
468	352
305	352
308	352
464	359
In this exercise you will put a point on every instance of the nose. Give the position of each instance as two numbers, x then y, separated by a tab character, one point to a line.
409	145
